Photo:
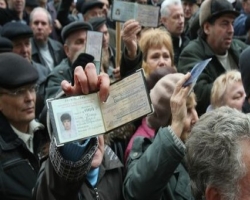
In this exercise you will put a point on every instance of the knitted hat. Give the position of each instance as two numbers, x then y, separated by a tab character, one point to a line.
190	1
215	8
160	97
245	70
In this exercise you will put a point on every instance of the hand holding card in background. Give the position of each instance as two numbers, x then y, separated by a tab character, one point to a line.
196	72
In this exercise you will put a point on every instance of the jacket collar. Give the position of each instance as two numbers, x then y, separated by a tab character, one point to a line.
51	45
234	50
8	138
110	161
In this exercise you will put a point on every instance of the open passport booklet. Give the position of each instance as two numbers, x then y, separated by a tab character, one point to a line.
79	117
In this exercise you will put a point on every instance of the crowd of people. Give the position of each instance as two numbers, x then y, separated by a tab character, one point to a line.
194	145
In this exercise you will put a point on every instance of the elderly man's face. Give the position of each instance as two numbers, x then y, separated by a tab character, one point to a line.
17	5
18	109
22	47
75	42
174	23
220	33
40	26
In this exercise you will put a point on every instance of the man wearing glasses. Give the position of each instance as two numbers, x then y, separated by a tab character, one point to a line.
23	141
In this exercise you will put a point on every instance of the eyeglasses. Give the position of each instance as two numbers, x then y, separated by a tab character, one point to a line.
22	91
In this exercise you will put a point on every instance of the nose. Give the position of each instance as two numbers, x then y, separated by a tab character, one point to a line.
29	95
194	116
231	28
161	61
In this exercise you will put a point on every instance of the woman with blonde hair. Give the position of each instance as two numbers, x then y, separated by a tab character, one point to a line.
157	50
228	90
149	49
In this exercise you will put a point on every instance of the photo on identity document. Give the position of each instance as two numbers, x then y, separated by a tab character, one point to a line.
128	100
67	125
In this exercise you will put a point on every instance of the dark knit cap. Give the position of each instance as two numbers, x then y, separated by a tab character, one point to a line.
160	97
5	45
16	71
65	116
79	5
87	5
97	22
31	3
214	9
190	1
245	70
13	30
73	27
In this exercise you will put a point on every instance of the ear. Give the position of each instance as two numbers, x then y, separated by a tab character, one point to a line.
164	20
212	193
206	27
66	49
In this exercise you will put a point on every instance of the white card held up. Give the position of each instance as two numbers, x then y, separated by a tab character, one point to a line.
128	100
147	15
94	48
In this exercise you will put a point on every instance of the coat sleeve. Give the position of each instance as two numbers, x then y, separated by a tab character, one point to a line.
128	66
61	179
149	171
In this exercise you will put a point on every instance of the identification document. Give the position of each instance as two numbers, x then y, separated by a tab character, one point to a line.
196	72
147	15
94	47
84	116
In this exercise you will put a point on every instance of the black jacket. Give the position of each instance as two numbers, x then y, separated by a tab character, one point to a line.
55	48
18	166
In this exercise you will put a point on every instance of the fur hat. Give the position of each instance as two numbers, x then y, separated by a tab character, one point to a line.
215	8
160	97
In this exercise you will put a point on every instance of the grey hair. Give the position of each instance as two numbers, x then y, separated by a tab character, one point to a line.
214	152
41	9
165	11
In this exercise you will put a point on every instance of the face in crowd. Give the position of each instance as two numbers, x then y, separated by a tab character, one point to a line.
22	47
220	33
174	23
17	5
41	26
188	8
18	105
74	43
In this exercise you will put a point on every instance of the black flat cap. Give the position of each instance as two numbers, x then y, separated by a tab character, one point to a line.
73	27
16	71
5	45
97	22
87	5
13	30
